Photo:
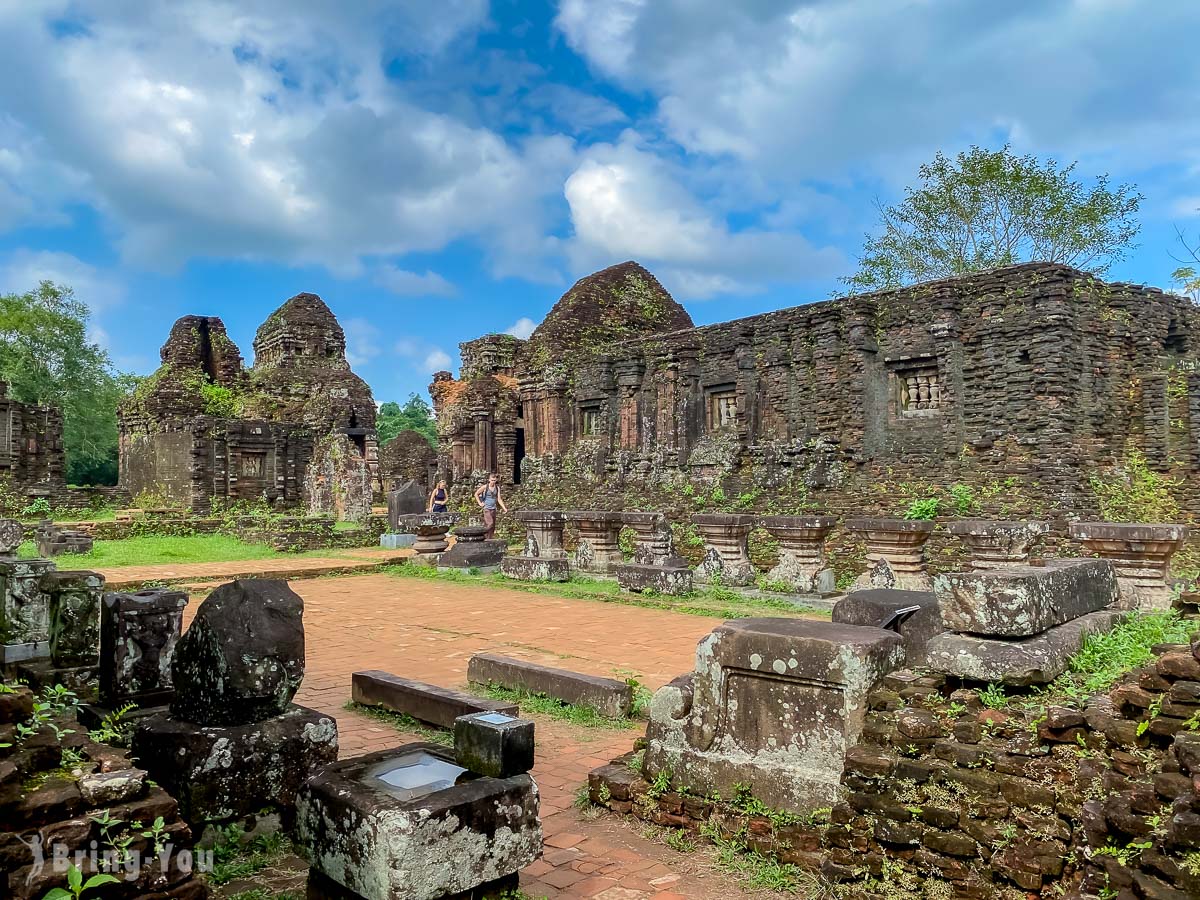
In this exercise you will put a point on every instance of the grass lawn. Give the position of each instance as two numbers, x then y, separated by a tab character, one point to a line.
721	603
153	550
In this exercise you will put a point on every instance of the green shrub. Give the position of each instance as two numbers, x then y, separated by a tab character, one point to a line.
1136	493
923	508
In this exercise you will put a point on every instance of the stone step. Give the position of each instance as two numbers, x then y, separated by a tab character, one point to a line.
424	702
606	696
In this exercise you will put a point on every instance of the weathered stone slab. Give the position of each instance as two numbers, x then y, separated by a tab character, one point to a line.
24	608
382	843
222	772
397	541
494	744
138	634
471	551
535	568
242	658
773	704
12	533
1021	601
672	580
877	606
607	696
424	702
409	498
1033	660
74	617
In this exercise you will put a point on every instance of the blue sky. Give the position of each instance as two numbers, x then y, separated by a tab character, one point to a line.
437	171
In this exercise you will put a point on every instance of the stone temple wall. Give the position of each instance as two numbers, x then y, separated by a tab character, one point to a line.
31	449
1019	383
204	427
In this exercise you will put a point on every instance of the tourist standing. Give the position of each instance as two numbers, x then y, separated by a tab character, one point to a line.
440	498
488	497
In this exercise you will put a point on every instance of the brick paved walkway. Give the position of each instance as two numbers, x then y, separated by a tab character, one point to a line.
428	630
123	578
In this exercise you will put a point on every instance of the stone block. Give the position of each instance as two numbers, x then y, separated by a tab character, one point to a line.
494	744
242	658
1021	601
473	553
397	541
726	554
424	702
12	533
444	834
544	532
802	565
138	634
74	617
409	498
672	580
535	568
598	549
995	545
1141	555
1033	660
224	772
774	704
24	609
876	606
895	553
607	696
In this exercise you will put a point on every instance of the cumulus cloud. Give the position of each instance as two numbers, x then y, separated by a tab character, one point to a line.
412	284
424	357
811	88
23	269
626	203
263	134
522	328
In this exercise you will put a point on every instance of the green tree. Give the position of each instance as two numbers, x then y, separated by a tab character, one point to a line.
415	415
1187	276
47	358
987	208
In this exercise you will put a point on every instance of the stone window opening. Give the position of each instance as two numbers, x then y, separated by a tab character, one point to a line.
919	390
1176	339
589	421
722	408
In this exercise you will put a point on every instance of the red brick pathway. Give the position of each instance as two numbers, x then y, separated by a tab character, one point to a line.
428	630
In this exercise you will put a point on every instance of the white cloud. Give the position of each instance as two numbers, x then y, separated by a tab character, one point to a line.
405	283
263	132
627	203
424	357
362	341
809	88
22	270
522	328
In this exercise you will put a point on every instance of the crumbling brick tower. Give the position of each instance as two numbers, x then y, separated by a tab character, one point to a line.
296	429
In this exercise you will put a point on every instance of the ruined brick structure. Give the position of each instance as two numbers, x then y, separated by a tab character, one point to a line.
407	457
31	449
1037	372
296	429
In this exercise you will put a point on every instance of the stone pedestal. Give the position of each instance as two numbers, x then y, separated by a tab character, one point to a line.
411	824
544	532
74	631
226	772
471	551
652	536
773	704
430	528
138	634
994	545
599	549
535	568
1141	554
726	554
801	565
674	580
24	610
895	553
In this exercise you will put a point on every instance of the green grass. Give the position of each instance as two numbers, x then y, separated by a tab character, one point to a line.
540	704
1106	657
721	603
152	550
233	860
403	723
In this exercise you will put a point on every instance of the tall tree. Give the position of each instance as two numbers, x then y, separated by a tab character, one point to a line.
987	208
415	415
1187	276
47	358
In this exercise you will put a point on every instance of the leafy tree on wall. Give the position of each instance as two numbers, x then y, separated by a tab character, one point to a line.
987	208
1187	276
47	358
415	414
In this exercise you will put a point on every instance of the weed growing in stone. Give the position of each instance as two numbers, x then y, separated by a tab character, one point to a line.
540	704
235	858
1107	656
404	723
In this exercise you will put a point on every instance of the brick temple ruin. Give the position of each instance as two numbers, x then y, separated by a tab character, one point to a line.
32	460
1037	372
295	429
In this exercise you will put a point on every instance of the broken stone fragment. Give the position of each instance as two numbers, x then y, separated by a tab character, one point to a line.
242	659
107	788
